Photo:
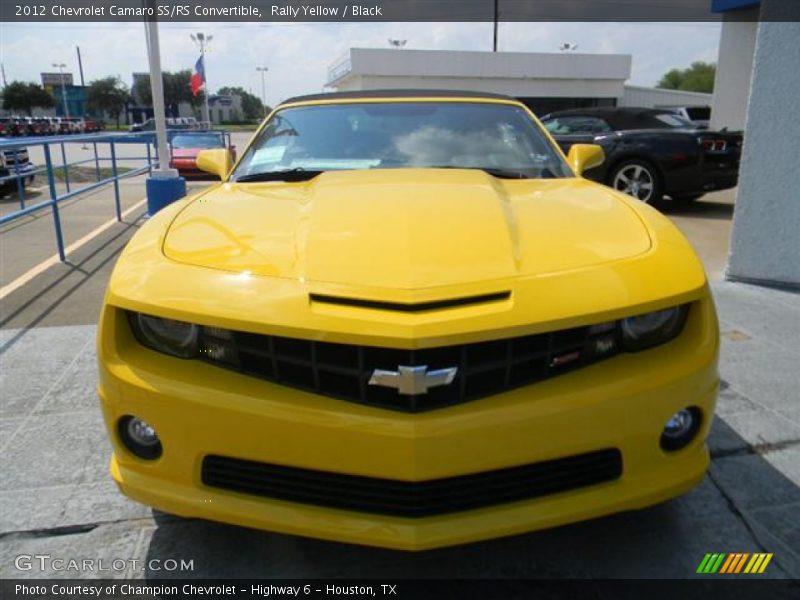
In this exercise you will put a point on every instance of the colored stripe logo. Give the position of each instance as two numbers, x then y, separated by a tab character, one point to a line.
734	562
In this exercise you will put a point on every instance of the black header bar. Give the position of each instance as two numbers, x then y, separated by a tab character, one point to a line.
282	11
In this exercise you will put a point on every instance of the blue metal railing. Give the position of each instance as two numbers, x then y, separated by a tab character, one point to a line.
17	148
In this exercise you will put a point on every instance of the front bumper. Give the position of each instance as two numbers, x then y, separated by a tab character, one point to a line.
199	410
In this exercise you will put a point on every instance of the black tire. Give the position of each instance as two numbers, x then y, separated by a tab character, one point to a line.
686	198
637	178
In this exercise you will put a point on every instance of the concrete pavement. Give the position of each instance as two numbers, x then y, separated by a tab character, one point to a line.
707	224
31	239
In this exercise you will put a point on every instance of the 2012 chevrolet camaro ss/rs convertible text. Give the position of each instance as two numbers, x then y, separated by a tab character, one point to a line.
404	319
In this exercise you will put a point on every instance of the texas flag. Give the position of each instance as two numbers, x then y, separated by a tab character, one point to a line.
198	80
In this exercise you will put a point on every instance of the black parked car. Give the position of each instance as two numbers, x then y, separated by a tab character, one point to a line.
651	153
15	163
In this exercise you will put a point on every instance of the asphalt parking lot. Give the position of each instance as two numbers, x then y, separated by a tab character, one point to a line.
57	498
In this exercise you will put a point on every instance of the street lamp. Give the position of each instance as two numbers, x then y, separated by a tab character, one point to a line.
164	185
203	40
60	67
263	71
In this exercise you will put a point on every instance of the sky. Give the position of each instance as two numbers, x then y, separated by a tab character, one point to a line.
298	54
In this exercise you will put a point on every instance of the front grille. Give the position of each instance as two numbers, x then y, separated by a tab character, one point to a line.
412	498
343	371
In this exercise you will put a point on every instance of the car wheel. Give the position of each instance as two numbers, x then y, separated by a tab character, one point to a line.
687	198
637	178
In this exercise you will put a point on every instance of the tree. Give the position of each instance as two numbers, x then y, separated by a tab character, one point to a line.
177	89
141	90
19	95
252	107
699	77
108	95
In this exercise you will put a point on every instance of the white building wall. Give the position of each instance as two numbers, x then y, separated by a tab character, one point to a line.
660	98
734	68
351	83
765	243
186	110
524	74
550	88
457	63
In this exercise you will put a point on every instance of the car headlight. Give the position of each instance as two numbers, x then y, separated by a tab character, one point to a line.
165	335
650	329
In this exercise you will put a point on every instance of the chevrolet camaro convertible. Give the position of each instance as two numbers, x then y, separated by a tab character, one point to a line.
404	319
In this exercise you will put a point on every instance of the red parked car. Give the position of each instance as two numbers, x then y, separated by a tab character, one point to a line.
13	126
185	147
94	125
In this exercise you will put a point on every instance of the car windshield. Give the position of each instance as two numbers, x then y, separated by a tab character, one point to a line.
197	141
499	138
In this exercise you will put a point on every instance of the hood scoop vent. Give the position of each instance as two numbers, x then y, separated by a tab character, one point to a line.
411	307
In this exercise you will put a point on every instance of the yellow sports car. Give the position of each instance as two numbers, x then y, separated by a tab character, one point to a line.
404	319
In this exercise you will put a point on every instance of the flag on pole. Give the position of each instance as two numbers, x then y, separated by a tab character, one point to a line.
198	80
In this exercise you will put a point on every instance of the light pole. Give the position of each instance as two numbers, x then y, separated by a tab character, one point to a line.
164	185
157	92
496	21
263	88
60	67
202	40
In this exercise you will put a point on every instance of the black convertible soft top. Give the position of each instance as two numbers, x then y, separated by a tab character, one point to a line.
404	93
621	118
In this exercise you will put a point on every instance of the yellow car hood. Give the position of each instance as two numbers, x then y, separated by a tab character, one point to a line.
406	228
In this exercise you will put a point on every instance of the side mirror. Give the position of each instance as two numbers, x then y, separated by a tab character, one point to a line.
583	157
217	161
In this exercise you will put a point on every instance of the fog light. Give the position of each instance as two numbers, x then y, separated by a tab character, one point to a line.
139	437
680	429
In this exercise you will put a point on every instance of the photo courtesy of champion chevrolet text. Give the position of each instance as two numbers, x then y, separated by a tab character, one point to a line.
399	299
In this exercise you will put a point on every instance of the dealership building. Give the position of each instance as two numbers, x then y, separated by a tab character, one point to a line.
544	81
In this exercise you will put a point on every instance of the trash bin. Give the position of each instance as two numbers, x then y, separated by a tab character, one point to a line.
164	189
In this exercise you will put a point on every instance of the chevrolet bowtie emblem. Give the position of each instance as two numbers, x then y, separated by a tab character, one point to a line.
412	381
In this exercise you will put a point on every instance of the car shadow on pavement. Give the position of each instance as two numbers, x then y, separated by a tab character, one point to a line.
30	194
743	505
703	209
